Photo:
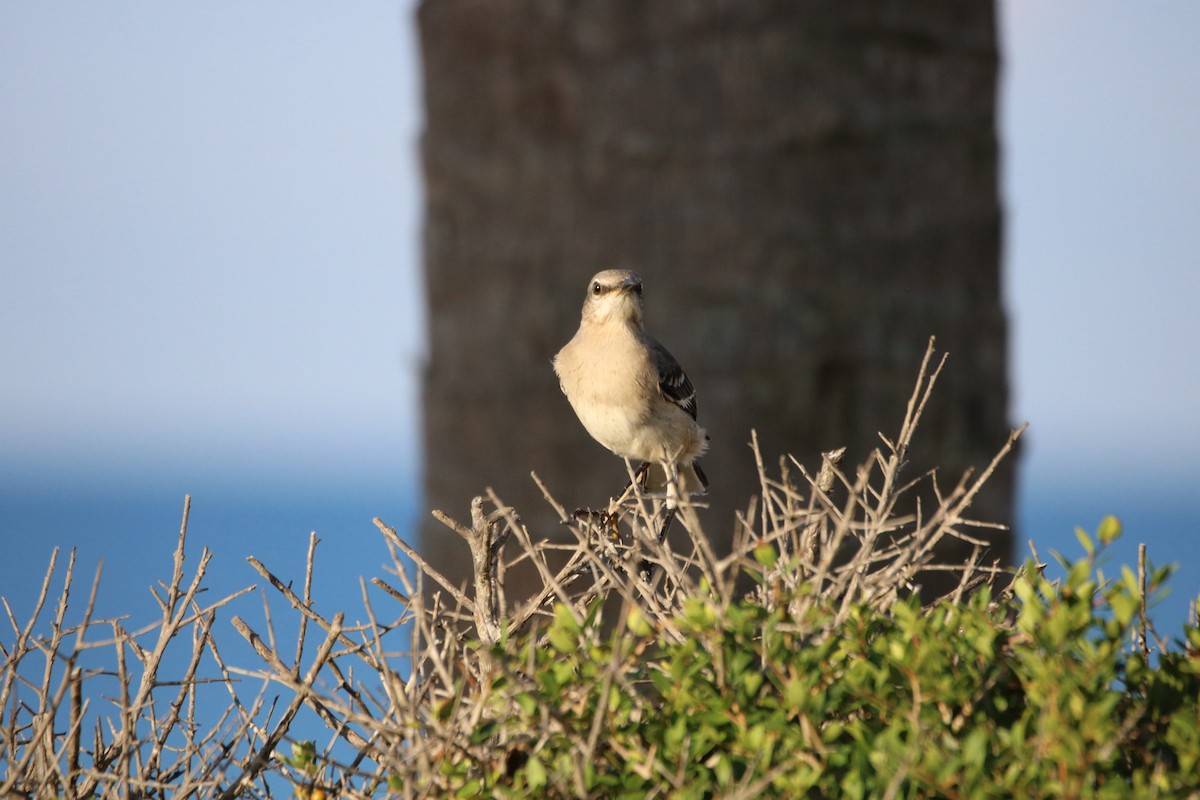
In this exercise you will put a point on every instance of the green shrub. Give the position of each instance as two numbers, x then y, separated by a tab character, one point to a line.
1039	692
805	663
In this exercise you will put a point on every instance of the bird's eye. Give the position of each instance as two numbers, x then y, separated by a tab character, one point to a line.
597	288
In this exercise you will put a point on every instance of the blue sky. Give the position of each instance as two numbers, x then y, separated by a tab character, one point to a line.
209	233
209	216
1101	116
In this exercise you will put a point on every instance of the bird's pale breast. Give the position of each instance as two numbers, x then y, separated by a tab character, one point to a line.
618	400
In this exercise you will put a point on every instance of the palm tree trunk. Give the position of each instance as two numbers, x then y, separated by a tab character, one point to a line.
809	191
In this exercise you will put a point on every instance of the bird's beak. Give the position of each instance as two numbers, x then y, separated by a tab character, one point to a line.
631	285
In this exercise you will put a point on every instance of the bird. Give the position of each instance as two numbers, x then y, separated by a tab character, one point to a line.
629	392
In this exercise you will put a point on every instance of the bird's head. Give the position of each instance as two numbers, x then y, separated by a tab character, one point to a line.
614	294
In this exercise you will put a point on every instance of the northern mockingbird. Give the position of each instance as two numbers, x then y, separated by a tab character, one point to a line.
630	393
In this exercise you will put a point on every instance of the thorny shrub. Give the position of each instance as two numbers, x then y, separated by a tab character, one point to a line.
635	671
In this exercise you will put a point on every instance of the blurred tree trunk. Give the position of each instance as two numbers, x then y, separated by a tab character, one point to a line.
809	190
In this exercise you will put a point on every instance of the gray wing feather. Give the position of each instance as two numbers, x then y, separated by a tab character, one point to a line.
672	380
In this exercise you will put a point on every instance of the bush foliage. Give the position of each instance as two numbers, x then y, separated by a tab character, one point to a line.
808	662
1042	691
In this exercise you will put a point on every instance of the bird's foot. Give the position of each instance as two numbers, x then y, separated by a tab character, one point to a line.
646	568
598	523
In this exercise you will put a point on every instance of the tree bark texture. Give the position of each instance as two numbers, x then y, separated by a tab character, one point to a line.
808	189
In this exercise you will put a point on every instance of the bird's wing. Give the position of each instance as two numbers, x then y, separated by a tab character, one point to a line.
672	380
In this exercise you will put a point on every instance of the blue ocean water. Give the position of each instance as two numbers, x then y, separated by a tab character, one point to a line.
133	529
1159	514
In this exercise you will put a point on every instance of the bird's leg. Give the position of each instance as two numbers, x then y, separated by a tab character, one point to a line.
603	534
639	477
671	506
668	518
671	468
646	568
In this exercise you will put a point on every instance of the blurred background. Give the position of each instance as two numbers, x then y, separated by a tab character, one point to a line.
210	284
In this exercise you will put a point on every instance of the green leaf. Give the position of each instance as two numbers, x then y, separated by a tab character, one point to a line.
676	732
699	614
528	703
724	770
483	732
564	631
472	788
1124	606
751	681
535	773
1086	541
766	554
636	622
303	755
795	694
852	786
1023	589
1109	530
